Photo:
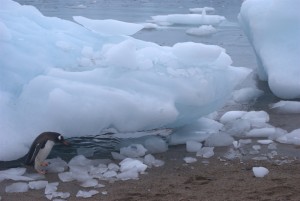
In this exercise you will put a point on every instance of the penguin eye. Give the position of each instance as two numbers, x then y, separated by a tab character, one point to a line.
59	137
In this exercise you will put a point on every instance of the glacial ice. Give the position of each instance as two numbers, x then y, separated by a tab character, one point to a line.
273	28
86	81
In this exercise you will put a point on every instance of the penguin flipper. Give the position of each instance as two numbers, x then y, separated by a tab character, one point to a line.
34	150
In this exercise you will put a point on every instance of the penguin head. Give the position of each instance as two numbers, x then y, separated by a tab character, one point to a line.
61	139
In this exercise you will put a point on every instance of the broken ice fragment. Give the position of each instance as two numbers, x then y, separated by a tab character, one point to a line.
37	184
19	187
86	194
260	171
206	152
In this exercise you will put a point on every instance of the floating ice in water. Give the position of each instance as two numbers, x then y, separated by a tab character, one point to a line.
87	72
86	194
14	174
111	27
193	146
206	152
190	159
203	30
189	19
200	10
133	151
132	164
150	161
150	26
290	138
260	20
219	140
89	183
246	95
260	171
19	187
265	141
37	184
286	107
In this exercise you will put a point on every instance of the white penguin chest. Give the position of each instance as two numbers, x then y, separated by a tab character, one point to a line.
44	152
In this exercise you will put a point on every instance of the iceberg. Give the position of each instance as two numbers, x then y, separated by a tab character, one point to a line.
57	75
273	29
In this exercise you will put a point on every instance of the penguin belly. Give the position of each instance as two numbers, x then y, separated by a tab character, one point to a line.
44	152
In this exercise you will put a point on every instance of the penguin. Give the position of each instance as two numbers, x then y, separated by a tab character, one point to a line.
40	149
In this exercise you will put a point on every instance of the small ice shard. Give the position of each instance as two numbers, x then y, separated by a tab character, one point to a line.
193	146
99	185
86	194
117	156
104	192
89	183
113	166
14	174
155	144
128	174
219	140
260	171
56	165
19	187
150	161
37	184
110	174
190	159
55	194
51	187
129	164
65	176
206	152
265	141
286	107
133	151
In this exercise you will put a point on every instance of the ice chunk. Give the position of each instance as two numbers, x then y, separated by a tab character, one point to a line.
189	19
190	159
133	151
265	141
261	132
237	128
231	116
150	161
260	171
117	156
260	20
290	138
14	174
129	164
56	165
80	160
37	184
86	194
19	187
155	144
286	107
66	176
256	147
200	10
51	187
110	174
113	166
128	174
203	30
246	95
206	152
219	140
109	26
193	146
55	194
89	183
256	116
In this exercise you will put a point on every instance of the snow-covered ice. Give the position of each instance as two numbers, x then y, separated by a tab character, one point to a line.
18	187
272	27
86	81
260	171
